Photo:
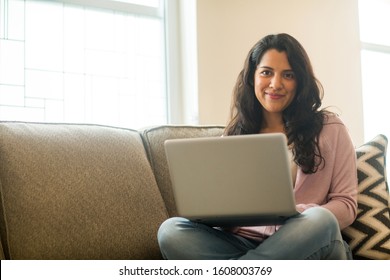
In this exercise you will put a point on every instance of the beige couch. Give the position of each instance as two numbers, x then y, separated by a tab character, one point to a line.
76	191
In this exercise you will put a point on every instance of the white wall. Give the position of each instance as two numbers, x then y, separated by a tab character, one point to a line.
227	29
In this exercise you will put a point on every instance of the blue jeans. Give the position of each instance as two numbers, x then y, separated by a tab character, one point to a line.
314	234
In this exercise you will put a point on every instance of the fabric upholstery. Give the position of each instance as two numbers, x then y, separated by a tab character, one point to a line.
77	192
2	257
154	139
98	192
369	235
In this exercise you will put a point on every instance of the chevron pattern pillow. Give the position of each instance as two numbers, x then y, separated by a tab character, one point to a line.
369	235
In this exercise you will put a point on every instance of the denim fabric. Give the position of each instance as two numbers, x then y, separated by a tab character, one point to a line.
314	234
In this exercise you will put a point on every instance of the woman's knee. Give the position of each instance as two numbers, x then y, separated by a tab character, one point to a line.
169	228
322	219
168	236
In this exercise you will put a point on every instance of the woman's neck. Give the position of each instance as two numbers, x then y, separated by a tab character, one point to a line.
272	123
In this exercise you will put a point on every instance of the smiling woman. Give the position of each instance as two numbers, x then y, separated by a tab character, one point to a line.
275	87
277	91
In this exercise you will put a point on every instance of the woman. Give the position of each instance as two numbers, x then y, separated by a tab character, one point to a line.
277	92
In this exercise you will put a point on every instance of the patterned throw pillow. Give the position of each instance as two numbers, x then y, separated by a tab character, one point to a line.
369	235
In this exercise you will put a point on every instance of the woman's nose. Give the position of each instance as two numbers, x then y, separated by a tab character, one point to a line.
276	82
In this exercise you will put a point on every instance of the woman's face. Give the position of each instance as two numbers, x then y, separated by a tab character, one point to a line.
274	82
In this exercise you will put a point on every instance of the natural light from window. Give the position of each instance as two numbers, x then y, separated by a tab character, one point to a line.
67	63
375	37
150	3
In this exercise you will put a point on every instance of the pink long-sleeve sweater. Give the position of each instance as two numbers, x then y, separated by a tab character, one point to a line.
333	186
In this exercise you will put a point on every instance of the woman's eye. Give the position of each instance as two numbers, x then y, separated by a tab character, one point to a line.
265	73
289	75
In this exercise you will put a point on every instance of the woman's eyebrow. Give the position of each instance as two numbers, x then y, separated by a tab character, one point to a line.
270	68
264	66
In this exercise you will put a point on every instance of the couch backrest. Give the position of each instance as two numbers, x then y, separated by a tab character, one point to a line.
77	192
154	139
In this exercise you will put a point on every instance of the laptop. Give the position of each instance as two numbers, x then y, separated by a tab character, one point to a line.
242	180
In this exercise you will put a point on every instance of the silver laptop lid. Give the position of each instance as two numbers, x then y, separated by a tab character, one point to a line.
235	180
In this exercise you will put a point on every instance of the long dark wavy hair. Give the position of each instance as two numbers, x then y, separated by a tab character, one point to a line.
303	121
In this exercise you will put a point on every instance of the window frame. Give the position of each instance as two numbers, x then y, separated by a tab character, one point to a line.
373	47
118	6
168	11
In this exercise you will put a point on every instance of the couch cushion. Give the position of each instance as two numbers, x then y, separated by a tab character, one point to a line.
2	257
369	235
77	192
154	139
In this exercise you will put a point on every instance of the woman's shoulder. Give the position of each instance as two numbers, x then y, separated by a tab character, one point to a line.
331	118
334	129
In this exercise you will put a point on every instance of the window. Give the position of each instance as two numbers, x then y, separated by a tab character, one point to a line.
96	61
375	56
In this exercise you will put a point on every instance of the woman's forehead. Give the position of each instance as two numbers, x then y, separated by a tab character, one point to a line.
275	59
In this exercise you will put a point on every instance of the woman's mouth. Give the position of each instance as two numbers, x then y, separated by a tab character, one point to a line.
275	96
